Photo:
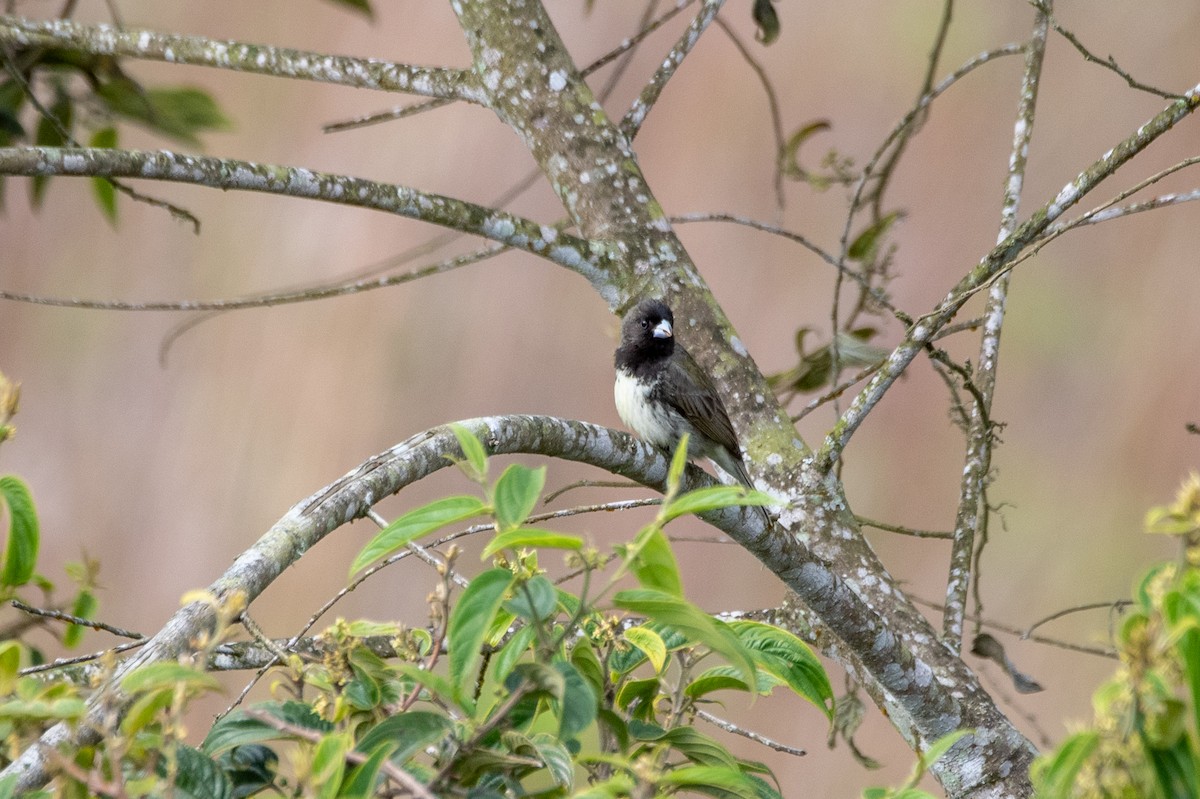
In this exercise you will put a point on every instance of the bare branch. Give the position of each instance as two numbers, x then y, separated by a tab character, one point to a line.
504	228
282	62
993	264
968	529
1046	7
636	115
729	726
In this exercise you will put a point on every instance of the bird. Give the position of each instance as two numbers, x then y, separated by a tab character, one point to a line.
662	393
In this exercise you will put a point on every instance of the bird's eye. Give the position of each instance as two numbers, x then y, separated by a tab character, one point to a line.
645	323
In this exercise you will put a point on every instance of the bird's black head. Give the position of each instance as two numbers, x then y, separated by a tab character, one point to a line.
649	329
647	336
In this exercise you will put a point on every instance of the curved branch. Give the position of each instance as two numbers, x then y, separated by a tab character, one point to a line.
350	498
226	173
281	62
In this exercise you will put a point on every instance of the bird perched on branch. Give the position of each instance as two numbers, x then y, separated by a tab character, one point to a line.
662	393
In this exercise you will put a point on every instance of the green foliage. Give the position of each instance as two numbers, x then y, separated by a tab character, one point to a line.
1145	738
21	539
76	90
21	543
519	688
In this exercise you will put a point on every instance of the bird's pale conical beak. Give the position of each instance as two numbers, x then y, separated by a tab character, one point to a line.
662	329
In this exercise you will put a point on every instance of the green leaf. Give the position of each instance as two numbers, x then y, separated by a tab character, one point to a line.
64	708
791	150
404	734
625	660
533	538
361	6
585	659
679	461
197	776
180	113
102	188
722	678
782	654
578	703
360	782
722	781
516	493
414	524
53	130
534	600
699	748
539	677
713	498
251	769
693	622
239	729
329	763
653	562
10	664
84	607
167	674
469	622
512	651
145	710
435	684
21	546
12	97
767	21
1054	774
866	243
650	643
472	449
636	697
557	759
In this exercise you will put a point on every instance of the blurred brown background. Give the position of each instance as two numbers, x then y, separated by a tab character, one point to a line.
166	473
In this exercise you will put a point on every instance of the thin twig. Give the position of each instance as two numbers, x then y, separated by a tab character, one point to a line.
58	615
636	115
770	743
1108	63
900	529
1107	652
1116	604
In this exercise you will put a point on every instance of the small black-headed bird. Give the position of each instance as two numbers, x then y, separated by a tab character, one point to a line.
662	393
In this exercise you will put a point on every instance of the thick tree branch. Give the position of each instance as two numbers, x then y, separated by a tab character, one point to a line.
281	62
224	173
815	546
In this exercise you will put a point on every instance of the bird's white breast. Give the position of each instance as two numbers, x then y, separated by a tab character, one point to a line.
651	421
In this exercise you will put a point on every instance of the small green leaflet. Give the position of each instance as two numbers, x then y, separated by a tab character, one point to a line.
21	546
516	493
415	524
469	622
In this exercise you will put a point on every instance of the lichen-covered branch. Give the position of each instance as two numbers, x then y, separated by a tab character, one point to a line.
971	518
224	173
281	62
636	115
998	260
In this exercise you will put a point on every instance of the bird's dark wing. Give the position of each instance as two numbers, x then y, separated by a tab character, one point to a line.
693	394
